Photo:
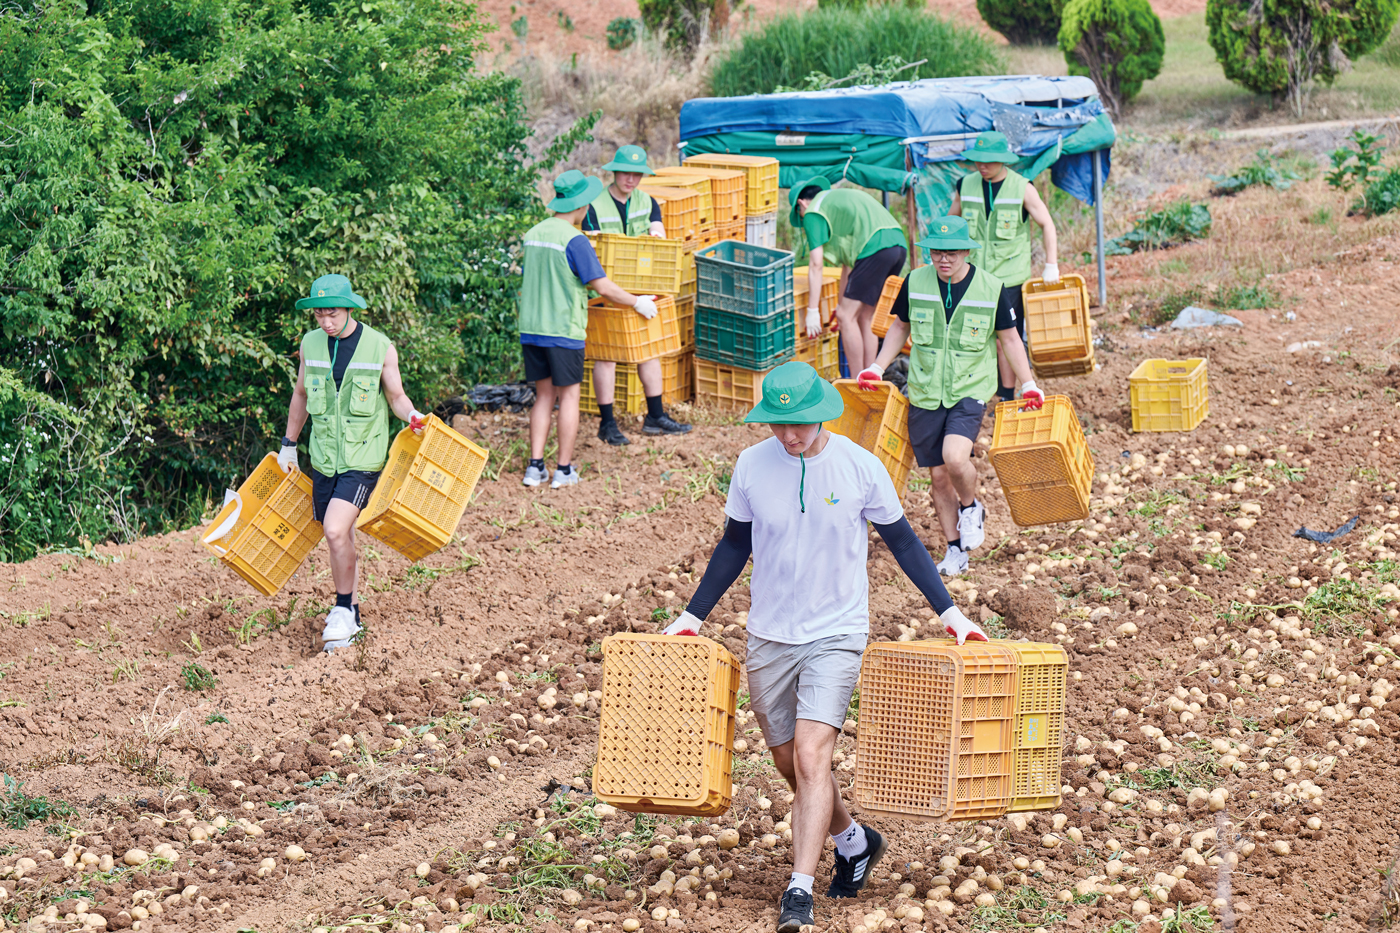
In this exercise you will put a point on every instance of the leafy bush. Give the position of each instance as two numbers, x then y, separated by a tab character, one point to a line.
1279	47
622	32
1023	22
175	175
836	41
1248	297
1172	226
1383	195
1117	43
1264	170
1353	165
682	22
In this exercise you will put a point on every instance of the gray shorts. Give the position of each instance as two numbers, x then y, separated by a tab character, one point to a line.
812	681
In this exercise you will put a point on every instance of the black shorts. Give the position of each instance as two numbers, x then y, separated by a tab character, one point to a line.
867	277
928	427
353	486
560	365
1012	294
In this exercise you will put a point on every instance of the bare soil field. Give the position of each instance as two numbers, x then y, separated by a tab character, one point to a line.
1230	760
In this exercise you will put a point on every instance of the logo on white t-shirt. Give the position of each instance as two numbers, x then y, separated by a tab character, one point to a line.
831	499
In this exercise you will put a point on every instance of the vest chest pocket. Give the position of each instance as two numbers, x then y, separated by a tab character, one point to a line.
1008	220
315	394
921	326
362	392
973	335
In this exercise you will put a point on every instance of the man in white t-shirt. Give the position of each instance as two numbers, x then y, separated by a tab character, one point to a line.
798	503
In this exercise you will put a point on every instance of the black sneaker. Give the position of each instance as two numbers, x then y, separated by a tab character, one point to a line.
609	431
851	874
664	425
794	911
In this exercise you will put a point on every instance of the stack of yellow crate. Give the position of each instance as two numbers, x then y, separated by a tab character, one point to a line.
761	192
643	265
824	350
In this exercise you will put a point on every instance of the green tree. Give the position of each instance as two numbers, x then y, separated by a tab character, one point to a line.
174	175
1281	47
683	22
1023	22
1117	43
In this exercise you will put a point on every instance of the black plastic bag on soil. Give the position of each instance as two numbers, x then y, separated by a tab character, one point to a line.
514	396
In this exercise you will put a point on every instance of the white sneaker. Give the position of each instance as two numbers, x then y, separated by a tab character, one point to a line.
330	646
971	528
340	625
564	479
954	562
533	476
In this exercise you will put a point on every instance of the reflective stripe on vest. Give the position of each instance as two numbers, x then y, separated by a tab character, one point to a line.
952	359
638	213
349	423
1004	231
553	302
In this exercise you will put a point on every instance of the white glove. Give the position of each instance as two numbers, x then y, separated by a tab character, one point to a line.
814	322
417	421
685	624
646	306
1032	396
960	626
869	378
1051	275
287	458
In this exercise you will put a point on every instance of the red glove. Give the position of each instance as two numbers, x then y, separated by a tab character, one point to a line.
960	626
685	624
1031	397
417	421
870	377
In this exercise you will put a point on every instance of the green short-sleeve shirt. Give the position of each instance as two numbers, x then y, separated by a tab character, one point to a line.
819	231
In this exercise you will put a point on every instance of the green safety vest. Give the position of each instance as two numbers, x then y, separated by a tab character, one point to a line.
638	213
1004	231
952	359
854	217
349	425
553	302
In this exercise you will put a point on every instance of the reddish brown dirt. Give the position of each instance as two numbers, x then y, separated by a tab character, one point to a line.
1176	603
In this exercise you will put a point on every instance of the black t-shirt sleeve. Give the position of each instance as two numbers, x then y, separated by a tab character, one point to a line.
590	220
1006	309
655	211
900	309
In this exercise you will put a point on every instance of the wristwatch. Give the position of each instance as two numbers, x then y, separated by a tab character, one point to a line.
287	441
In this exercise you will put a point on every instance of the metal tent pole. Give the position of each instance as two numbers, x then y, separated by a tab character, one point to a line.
1098	226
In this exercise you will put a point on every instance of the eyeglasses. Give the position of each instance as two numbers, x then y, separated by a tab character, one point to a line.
937	254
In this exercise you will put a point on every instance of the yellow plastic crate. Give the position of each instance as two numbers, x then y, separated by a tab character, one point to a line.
628	397
685	320
680	210
884	311
1057	319
1041	671
424	489
937	730
728	386
728	190
266	530
761	178
732	230
878	420
622	335
1169	395
690	276
642	265
1075	367
708	236
676	177
666	727
822	352
678	377
1042	461
826	302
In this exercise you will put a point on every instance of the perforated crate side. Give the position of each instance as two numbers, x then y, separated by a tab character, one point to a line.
666	725
253	493
680	210
756	343
761	173
642	265
685	321
878	421
622	335
822	353
628	397
273	544
727	386
1060	369
1041	671
744	279
908	718
728	189
673	177
985	732
1057	317
1042	461
677	377
884	311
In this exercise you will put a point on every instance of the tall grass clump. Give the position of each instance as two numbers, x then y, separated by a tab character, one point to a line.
836	41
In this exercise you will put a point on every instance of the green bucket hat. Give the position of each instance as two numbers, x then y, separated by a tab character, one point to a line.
795	394
948	233
331	291
630	159
991	146
819	180
573	190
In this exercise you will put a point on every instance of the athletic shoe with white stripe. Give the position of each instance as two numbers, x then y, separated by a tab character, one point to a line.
954	562
971	522
851	874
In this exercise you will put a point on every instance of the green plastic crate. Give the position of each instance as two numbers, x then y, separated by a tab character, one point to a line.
744	279
743	340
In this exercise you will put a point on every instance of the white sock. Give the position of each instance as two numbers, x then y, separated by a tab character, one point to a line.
851	842
802	883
